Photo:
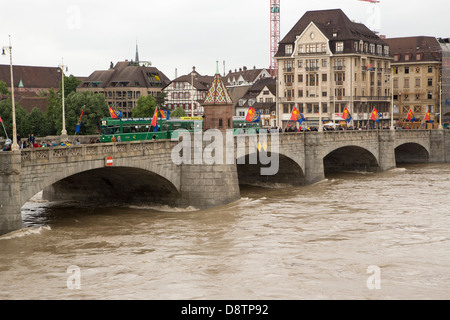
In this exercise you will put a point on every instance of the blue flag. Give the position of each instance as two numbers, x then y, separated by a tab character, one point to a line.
79	122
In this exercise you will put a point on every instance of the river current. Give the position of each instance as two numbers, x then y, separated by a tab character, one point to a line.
352	236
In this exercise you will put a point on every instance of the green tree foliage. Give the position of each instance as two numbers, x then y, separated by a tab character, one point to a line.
161	99
37	123
145	107
4	88
6	114
50	114
70	85
95	108
177	113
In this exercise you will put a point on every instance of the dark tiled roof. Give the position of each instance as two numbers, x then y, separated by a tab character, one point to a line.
249	75
330	22
428	48
200	82
31	77
124	74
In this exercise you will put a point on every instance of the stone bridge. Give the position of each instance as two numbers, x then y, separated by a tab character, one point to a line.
144	171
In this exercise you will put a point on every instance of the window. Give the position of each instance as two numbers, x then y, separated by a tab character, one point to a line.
300	93
324	93
379	49
430	95
417	82
288	49
396	57
324	47
300	49
430	69
339	46
324	63
324	77
300	63
300	78
407	56
406	70
419	56
266	92
220	123
406	83
386	50
324	108
395	69
372	48
430	82
286	108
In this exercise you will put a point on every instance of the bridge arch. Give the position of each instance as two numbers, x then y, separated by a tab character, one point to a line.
350	158
151	177
287	171
411	152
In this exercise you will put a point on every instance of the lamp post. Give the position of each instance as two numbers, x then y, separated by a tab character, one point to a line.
392	102
15	146
440	103
63	131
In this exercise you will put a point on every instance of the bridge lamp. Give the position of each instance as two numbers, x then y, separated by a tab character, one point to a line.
15	146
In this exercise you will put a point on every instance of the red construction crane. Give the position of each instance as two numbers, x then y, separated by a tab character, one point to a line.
274	34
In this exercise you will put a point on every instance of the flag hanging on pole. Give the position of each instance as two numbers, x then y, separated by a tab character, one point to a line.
155	118
410	116
115	114
374	115
346	115
79	122
297	116
427	117
253	115
165	114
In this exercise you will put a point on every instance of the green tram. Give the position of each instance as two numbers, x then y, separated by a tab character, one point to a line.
134	129
241	126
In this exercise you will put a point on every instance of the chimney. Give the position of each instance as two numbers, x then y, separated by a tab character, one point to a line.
245	68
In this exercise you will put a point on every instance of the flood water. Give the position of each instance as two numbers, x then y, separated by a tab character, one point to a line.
322	241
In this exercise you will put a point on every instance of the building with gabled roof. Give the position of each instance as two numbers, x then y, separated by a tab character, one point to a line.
262	97
327	62
31	78
188	92
124	83
416	69
244	76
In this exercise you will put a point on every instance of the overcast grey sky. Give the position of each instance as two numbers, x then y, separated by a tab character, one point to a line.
179	34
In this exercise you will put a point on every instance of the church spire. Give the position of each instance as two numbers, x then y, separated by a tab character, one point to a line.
136	58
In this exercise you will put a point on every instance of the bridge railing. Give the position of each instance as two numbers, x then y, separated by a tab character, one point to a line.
93	151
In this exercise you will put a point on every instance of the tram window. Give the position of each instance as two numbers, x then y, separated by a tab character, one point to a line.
126	129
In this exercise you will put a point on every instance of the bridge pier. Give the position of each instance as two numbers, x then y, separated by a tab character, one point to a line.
314	170
386	154
437	146
10	213
204	186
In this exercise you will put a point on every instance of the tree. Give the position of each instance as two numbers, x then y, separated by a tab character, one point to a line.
161	99
177	113
21	118
145	107
37	123
4	88
50	114
70	85
95	108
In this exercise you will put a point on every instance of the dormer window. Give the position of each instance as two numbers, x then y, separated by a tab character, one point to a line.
288	49
339	46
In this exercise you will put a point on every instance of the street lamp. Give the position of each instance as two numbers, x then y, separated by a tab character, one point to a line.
63	131
440	102
15	146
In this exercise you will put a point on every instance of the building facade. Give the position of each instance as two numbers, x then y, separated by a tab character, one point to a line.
124	83
188	92
262	97
416	70
326	62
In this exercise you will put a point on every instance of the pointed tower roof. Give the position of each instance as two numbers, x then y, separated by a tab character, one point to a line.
136	58
217	93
